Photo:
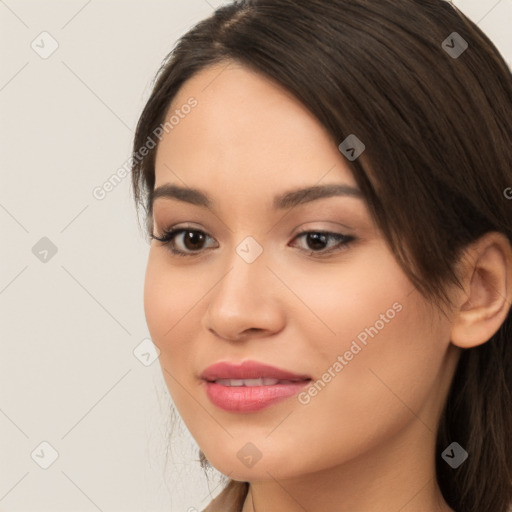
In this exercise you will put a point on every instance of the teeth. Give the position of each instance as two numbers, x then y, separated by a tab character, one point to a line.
250	382
253	382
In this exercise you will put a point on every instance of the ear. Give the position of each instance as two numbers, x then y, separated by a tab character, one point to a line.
483	306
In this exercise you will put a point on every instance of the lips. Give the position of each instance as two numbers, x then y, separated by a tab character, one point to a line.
249	370
250	386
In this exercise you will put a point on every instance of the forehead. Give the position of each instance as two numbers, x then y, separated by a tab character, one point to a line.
245	132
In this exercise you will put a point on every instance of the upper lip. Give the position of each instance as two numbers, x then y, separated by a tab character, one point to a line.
248	370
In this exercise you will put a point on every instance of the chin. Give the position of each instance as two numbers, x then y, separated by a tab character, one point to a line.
264	469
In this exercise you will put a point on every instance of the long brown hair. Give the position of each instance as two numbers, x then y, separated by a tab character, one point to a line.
437	127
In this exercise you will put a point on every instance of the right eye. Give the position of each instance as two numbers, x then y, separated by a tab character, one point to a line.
193	240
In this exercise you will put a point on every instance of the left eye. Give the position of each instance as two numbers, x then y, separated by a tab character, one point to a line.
194	239
317	240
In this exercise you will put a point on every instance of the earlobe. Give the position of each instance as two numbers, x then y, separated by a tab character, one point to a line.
486	300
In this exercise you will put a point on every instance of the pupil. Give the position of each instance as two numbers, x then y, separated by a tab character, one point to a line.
315	237
192	237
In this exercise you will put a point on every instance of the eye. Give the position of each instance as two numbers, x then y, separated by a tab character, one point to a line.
318	241
192	241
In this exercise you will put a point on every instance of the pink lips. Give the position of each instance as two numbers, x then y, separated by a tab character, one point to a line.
250	396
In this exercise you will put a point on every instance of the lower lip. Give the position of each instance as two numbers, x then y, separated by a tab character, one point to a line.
250	398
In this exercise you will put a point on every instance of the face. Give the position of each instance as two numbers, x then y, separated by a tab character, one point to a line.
308	287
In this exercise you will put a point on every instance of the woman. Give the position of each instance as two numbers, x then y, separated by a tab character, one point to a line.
330	274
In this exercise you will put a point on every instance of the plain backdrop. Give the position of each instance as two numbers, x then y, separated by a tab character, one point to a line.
77	392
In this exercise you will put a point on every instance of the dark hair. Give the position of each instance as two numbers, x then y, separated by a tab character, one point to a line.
438	134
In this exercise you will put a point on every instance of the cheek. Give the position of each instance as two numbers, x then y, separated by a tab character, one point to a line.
171	298
391	344
349	297
381	381
157	297
387	370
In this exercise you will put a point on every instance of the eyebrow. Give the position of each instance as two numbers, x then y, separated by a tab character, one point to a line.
286	200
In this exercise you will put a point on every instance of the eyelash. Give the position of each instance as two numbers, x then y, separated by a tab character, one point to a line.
168	237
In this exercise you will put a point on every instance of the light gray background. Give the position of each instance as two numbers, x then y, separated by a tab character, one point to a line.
70	325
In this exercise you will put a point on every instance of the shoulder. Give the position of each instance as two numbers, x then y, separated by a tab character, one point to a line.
231	499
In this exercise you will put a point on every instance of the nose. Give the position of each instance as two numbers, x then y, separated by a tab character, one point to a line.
246	301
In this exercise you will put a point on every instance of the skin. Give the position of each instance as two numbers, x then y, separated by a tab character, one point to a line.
366	441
